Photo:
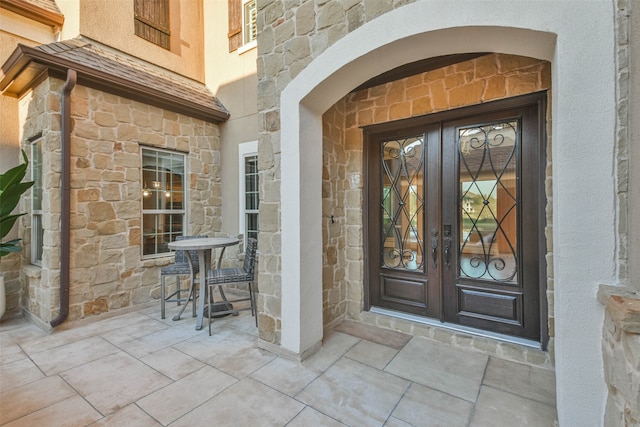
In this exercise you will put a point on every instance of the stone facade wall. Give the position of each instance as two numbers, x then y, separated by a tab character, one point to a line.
335	232
621	352
622	29
10	266
291	34
40	114
621	330
107	268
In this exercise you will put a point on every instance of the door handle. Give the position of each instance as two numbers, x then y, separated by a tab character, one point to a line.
447	251
434	247
446	241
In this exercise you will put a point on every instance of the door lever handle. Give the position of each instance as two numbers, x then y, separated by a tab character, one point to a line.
434	247
447	251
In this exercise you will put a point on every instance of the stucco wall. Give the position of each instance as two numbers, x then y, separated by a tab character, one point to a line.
112	23
10	37
107	268
231	76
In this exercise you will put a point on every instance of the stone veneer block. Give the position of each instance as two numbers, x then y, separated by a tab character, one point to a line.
621	334
625	311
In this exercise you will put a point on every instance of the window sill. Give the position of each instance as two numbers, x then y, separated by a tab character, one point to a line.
159	260
247	47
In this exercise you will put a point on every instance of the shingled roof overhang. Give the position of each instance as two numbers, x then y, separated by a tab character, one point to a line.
44	11
111	72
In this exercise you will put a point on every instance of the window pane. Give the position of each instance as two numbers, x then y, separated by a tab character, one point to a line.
37	231
403	203
163	242
251	201
251	164
162	181
251	183
37	239
36	175
149	159
489	198
250	15
177	164
149	230
159	230
252	225
251	195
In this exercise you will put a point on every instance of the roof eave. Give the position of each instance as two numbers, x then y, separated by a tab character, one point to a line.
34	12
24	56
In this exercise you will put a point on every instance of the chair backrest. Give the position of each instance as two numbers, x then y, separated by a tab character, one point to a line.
250	255
181	256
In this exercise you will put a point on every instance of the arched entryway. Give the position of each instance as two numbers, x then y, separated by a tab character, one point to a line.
384	44
390	167
302	147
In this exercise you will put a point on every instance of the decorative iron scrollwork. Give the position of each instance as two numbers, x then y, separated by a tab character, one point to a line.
434	247
488	201
402	203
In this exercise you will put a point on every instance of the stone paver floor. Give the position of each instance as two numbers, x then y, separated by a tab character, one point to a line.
134	369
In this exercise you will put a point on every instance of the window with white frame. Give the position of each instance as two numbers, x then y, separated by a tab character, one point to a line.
249	16
163	199
37	230
249	188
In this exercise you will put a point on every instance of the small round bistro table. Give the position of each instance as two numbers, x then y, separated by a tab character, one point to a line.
204	247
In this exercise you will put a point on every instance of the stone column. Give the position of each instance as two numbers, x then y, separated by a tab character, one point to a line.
621	354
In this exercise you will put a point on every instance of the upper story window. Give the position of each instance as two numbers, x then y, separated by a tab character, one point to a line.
243	30
249	15
163	199
152	21
37	230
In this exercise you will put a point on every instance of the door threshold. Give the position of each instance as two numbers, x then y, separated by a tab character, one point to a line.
457	328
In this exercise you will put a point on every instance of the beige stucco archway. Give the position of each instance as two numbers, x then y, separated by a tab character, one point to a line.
583	120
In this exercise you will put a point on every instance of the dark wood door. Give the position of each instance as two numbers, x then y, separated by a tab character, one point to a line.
453	219
403	192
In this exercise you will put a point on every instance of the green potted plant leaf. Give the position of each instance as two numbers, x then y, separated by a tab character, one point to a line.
11	189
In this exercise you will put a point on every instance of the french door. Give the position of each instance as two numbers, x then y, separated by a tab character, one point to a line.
454	218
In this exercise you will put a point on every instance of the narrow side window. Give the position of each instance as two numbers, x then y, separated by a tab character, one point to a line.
249	189
37	230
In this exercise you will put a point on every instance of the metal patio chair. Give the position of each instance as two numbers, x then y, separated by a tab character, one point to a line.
233	276
181	267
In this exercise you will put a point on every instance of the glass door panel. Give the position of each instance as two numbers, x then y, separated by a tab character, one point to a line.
402	204
488	196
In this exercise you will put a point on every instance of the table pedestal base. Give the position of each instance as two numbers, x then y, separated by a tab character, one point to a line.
220	306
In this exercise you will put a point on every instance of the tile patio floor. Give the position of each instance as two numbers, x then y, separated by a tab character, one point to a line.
134	369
